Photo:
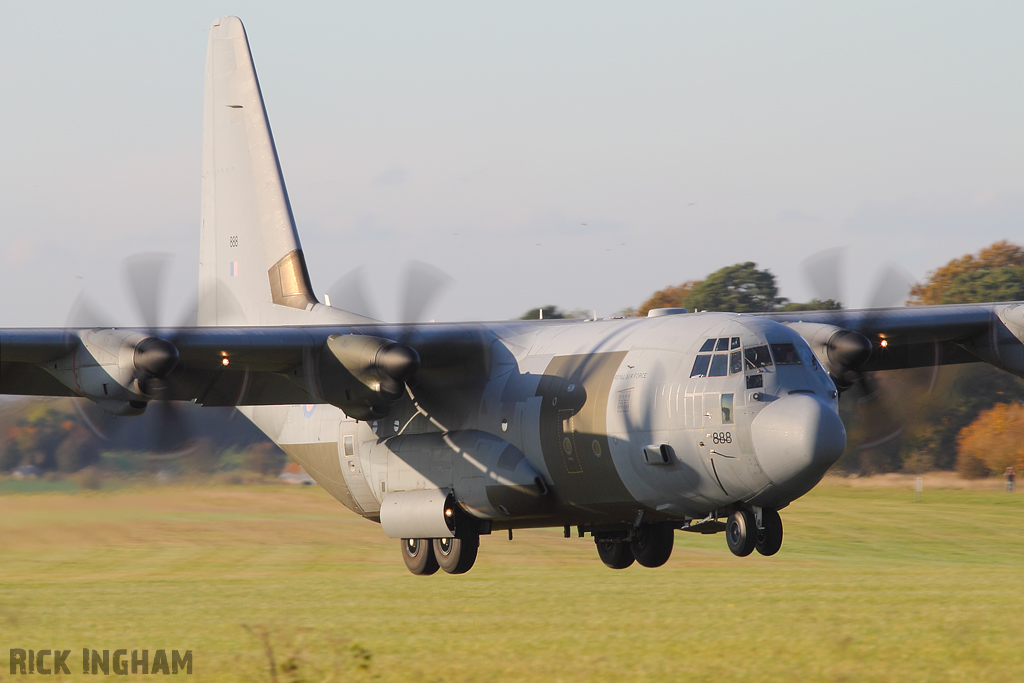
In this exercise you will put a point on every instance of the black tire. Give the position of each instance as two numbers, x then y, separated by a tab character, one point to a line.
615	555
741	533
456	555
418	554
769	538
652	544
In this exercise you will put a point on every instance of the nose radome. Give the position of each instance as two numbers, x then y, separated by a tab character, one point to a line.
796	439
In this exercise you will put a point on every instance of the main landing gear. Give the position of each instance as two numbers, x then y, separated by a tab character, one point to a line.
650	546
424	556
744	535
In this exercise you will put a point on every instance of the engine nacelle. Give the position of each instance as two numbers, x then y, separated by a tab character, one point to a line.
115	368
840	351
364	375
1003	344
102	367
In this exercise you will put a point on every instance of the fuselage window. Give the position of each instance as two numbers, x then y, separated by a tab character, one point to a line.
727	409
735	362
708	347
350	445
785	354
719	365
723	344
700	366
757	357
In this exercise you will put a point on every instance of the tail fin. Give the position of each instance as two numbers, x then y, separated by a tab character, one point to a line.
251	267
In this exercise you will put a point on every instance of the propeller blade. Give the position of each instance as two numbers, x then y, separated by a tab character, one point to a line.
170	433
85	313
891	288
824	272
145	275
423	284
349	294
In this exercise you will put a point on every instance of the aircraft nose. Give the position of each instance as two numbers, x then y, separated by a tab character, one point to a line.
796	439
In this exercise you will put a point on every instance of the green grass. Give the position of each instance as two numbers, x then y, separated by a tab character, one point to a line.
869	586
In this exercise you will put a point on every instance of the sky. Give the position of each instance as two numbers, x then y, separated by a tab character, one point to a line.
582	154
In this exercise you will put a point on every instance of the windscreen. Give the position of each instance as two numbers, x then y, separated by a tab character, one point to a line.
757	357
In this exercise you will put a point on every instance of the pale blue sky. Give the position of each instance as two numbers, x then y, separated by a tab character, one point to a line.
481	138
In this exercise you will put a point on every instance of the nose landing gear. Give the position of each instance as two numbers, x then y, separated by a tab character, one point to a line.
769	536
743	534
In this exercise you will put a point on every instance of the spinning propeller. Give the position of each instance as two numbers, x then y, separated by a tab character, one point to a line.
382	366
154	360
849	349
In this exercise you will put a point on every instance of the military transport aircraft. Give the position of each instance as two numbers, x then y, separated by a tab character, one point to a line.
627	429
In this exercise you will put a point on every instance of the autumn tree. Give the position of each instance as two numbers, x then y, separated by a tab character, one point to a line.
670	297
49	438
996	273
992	441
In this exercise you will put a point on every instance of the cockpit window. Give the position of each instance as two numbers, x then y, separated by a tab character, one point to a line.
719	365
735	362
723	344
735	343
708	347
757	357
700	366
785	354
807	356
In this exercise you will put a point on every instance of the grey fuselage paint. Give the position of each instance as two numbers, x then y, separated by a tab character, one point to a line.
579	401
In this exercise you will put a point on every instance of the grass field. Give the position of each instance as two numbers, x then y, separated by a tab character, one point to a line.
869	586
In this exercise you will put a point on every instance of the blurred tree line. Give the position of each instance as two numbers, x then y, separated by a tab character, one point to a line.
55	435
945	417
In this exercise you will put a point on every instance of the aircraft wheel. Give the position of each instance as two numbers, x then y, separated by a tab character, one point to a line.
418	554
456	555
615	555
652	544
741	533
769	539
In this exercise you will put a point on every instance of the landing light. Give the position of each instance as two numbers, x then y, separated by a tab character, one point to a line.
884	343
225	361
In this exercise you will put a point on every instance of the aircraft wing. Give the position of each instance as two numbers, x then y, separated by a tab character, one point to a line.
921	336
236	366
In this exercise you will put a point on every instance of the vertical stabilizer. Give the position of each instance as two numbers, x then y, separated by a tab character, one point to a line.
251	262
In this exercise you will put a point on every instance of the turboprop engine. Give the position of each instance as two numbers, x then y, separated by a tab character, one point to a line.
121	370
364	375
840	351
